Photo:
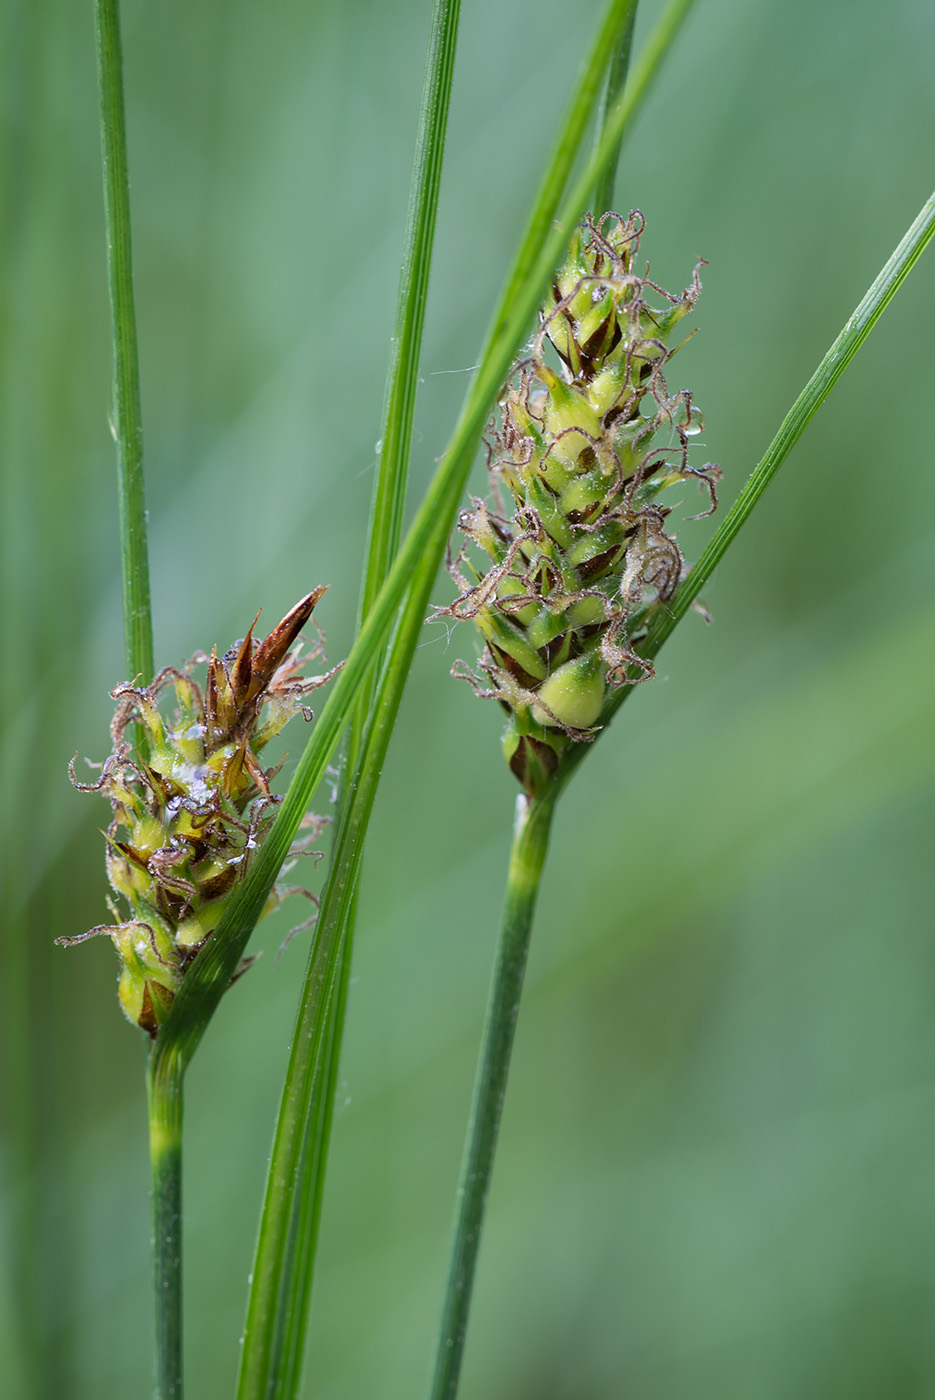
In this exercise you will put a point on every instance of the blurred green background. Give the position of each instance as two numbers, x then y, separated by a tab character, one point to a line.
716	1167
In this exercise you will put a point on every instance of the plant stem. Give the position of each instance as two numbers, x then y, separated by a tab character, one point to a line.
527	857
283	1271
165	1152
165	1096
127	423
617	71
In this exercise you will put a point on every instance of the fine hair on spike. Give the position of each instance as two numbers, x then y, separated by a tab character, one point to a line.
576	549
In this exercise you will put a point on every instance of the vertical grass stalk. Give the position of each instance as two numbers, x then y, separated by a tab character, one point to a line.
127	421
613	88
807	403
165	1099
165	1152
527	858
283	1272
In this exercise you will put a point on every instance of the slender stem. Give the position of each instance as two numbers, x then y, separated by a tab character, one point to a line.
165	1153
283	1272
527	857
283	1266
127	424
165	1096
402	382
616	81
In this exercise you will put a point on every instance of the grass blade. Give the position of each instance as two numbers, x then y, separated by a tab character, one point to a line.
277	1306
283	1266
859	325
403	372
616	79
830	368
832	365
127	424
413	572
165	1100
284	1263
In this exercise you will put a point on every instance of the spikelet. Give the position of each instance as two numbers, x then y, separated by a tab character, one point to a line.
578	549
192	803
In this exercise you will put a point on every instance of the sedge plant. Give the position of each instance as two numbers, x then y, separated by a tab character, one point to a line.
583	582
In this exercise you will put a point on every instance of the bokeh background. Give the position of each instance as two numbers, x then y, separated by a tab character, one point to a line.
716	1166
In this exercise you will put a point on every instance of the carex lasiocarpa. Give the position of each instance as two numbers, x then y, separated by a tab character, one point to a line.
576	533
192	803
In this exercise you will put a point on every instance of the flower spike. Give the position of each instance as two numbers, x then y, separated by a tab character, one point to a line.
582	553
189	813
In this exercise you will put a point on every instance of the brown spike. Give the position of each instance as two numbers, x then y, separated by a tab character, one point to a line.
242	669
220	710
233	770
255	771
270	652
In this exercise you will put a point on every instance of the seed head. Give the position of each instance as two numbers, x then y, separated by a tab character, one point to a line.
577	545
193	802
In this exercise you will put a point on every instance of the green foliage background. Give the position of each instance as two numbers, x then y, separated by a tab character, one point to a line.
715	1174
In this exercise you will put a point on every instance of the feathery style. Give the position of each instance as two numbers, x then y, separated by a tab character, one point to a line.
191	803
577	540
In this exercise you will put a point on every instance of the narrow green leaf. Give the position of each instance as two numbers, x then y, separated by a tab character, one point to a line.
165	1097
405	351
127	424
865	316
417	562
283	1270
833	364
284	1262
617	71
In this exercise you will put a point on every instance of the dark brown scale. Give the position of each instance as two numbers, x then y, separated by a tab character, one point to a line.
218	884
533	760
600	563
553	649
601	342
509	663
132	854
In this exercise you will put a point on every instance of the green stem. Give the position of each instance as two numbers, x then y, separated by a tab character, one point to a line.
527	857
283	1266
165	1153
616	81
127	425
283	1272
402	383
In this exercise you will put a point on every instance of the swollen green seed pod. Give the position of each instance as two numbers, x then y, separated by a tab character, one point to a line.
577	544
